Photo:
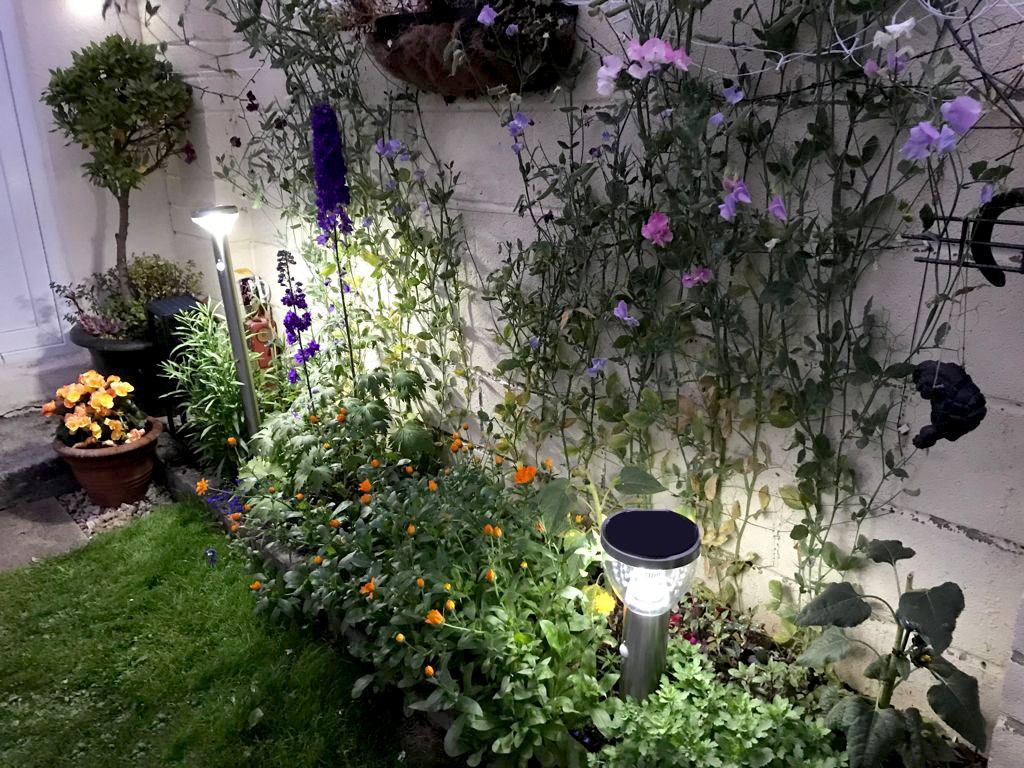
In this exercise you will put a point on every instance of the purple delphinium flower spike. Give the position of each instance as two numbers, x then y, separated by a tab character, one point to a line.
293	376
329	170
621	311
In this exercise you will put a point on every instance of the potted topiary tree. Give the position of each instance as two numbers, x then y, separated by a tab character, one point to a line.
129	110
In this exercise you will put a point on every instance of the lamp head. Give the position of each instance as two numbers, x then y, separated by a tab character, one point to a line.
218	220
650	557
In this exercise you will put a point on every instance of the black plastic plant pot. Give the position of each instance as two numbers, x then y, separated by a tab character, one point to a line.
134	360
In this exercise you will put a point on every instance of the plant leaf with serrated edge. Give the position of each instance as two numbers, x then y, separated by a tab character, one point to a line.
871	734
888	551
838	605
954	698
634	481
933	613
831	645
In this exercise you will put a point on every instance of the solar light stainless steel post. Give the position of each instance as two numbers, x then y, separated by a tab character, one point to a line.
650	558
218	221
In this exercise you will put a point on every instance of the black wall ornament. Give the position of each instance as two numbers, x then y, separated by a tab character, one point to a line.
958	406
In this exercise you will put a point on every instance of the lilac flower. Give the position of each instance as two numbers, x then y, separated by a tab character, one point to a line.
919	145
727	208
405	157
733	94
947	140
621	311
534	342
777	208
293	376
597	365
657	229
961	113
871	68
512	30
895	62
987	193
610	68
716	119
329	170
387	148
517	148
419	175
518	124
487	16
699	276
735	192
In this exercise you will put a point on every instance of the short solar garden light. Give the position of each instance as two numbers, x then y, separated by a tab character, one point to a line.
650	558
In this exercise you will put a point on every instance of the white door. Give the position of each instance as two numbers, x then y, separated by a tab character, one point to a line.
29	315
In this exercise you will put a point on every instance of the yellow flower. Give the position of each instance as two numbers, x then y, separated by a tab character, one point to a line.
447	587
522	564
434	618
71	394
399	638
95	429
92	380
428	671
77	420
116	429
202	486
449	605
101	401
601	601
121	388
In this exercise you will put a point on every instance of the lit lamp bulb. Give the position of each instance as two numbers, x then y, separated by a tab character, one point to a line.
218	221
650	558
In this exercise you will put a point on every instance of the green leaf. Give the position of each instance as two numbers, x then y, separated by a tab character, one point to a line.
933	613
360	685
913	749
556	501
871	734
955	699
839	605
883	666
255	716
792	498
412	439
451	738
888	551
634	481
830	646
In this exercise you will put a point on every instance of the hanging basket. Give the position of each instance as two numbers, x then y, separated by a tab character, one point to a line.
416	48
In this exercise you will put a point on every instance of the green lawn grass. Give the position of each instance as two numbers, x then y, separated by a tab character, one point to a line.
133	652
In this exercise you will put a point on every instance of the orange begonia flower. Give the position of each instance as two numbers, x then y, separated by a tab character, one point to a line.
101	401
92	380
50	408
121	388
525	474
434	618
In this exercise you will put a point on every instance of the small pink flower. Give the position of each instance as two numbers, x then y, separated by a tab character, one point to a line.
657	229
699	276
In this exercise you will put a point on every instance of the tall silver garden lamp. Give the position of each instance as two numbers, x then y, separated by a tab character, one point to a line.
650	558
218	221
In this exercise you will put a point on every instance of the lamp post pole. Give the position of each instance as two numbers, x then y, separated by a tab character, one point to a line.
218	221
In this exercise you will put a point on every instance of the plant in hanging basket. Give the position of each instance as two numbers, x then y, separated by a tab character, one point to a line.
104	437
465	48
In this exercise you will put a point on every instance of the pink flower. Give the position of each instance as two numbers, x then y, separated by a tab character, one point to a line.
653	54
657	229
680	60
607	73
699	276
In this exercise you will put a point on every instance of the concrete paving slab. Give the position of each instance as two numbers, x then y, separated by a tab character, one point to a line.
36	529
29	468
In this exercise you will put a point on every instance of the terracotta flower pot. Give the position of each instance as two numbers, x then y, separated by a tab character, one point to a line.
412	47
116	475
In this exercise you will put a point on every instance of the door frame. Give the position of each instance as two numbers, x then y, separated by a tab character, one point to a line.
36	160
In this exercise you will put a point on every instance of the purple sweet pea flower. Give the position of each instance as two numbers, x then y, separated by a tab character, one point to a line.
405	157
733	94
657	229
895	62
947	140
699	276
919	145
487	16
387	148
961	113
735	192
517	124
621	311
534	342
777	208
727	208
512	30
716	119
871	68
987	192
665	114
597	365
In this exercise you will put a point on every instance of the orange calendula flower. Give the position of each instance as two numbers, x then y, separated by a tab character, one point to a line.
300	496
489	575
342	415
420	582
232	441
317	559
488	530
399	638
540	527
525	474
375	463
334	522
202	486
255	585
365	498
549	464
579	518
498	532
434	618
428	671
312	418
365	486
410	529
456	445
499	460
368	588
234	527
50	408
432	486
409	469
449	605
247	507
236	516
272	489
121	388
